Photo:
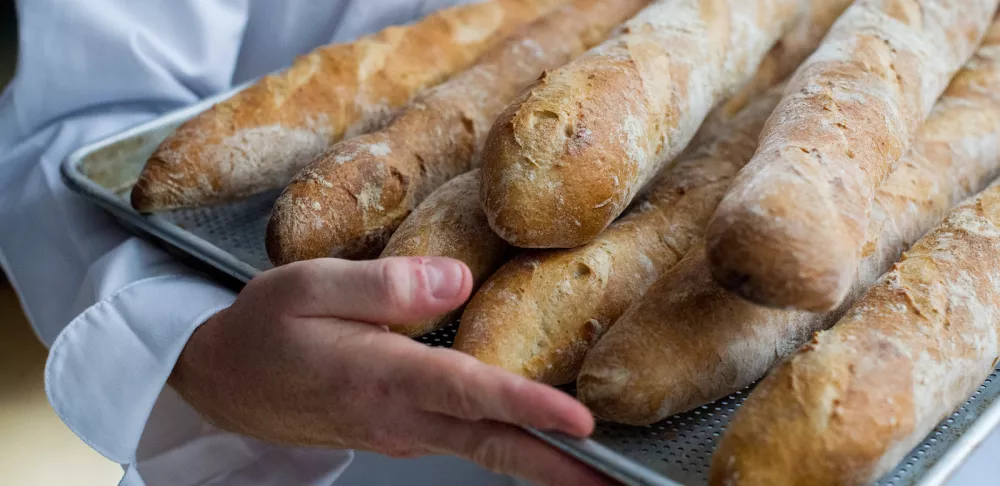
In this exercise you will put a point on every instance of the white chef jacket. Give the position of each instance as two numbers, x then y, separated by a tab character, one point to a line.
115	310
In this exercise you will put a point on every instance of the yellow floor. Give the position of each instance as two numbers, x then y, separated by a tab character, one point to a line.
36	449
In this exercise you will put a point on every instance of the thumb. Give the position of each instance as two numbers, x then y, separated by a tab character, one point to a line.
390	291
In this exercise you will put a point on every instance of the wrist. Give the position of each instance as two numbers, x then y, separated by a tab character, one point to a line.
192	376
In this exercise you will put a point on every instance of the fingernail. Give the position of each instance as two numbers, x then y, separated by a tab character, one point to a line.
445	278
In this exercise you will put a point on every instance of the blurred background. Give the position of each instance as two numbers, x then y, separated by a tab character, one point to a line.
36	449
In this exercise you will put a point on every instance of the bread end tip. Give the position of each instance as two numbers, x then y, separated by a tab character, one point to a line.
148	196
763	264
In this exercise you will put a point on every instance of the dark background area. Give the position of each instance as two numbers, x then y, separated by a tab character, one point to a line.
8	41
8	51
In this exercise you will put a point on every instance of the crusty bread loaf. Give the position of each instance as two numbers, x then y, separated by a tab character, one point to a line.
541	312
791	229
567	158
259	138
787	54
688	341
857	398
347	202
449	223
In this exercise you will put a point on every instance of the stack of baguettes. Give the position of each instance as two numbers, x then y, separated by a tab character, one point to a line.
663	200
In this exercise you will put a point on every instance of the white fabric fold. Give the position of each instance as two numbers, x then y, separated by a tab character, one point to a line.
116	310
107	368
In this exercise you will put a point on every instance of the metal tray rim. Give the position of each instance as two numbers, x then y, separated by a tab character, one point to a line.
605	459
967	443
589	451
153	224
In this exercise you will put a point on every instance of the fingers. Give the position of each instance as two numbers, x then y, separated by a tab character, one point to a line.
508	450
455	384
385	292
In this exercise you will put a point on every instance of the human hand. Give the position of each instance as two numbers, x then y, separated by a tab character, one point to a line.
303	357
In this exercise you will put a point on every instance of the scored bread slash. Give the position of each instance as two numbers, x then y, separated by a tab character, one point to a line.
568	156
541	312
791	229
349	200
857	398
260	137
449	223
689	341
785	57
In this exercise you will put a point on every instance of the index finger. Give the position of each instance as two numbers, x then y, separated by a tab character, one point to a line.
455	384
505	449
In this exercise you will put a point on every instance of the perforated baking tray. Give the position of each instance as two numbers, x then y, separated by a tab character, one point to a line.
228	242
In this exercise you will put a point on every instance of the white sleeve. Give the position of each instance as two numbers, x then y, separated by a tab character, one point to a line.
117	311
85	71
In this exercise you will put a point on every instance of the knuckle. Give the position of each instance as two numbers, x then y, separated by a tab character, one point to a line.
303	276
378	439
299	283
395	279
492	454
460	398
295	282
391	444
259	285
280	284
401	452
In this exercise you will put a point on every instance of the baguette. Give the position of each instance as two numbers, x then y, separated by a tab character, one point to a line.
541	312
259	138
788	54
791	229
567	158
349	201
857	398
688	341
449	223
